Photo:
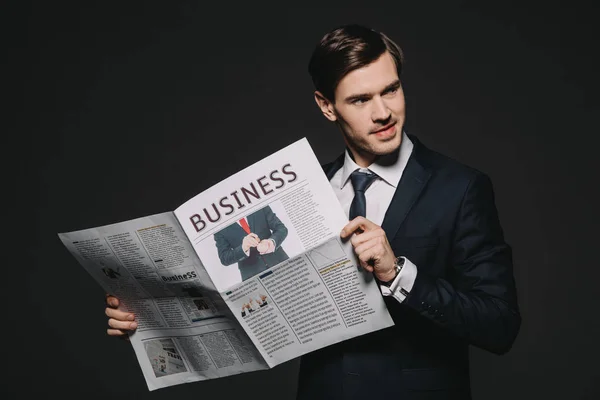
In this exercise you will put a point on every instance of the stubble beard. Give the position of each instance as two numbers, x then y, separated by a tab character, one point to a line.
374	148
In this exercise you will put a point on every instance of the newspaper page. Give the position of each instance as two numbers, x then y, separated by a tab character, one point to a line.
185	330
269	237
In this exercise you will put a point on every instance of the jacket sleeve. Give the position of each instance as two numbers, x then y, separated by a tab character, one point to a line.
278	230
228	254
478	301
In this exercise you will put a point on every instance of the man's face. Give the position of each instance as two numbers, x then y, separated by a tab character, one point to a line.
369	108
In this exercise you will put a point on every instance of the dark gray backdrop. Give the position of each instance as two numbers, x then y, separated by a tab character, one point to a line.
119	111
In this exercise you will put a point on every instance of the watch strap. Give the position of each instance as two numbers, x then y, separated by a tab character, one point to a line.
399	263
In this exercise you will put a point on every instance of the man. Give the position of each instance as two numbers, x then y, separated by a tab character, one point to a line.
426	226
254	242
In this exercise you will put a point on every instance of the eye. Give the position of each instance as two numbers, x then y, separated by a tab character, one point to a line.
391	91
359	101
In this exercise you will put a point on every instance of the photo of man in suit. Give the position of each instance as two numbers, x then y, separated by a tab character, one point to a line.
253	242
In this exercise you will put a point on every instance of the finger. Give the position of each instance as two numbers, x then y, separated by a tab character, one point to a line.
119	315
122	325
373	244
359	239
254	235
365	257
250	242
358	223
117	332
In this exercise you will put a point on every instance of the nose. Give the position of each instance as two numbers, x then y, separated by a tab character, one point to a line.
380	111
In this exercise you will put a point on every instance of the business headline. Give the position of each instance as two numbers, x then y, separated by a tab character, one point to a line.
240	198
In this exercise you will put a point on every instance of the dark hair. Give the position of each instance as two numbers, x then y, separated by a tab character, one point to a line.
345	49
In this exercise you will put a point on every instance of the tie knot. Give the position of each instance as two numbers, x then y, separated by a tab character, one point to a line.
361	180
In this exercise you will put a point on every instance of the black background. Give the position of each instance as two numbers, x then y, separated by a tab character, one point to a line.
116	110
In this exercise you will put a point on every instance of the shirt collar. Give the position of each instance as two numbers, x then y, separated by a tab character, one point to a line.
389	167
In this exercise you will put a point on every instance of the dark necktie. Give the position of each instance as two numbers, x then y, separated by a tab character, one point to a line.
360	182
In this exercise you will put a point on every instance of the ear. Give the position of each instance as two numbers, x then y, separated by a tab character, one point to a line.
326	106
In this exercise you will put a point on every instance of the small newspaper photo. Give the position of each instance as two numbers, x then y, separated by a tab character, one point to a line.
244	276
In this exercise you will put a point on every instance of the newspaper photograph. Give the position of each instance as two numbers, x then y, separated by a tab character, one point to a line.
269	239
244	276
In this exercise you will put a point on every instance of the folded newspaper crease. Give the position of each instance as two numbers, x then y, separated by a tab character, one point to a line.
244	276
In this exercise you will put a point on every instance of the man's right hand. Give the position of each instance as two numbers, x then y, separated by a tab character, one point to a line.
120	322
251	240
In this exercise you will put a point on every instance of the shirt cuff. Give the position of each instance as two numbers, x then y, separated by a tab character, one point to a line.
402	285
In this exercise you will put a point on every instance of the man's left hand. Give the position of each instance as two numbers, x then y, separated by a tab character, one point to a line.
266	246
372	247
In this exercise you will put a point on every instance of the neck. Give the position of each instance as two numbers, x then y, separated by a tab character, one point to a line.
362	159
365	159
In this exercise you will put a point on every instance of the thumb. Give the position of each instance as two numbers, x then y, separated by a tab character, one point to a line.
111	300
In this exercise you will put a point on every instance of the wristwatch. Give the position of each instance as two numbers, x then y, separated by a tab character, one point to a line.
397	268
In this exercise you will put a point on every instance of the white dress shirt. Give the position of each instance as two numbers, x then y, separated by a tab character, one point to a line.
379	195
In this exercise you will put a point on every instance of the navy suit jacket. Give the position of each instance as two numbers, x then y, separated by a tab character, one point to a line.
266	225
443	218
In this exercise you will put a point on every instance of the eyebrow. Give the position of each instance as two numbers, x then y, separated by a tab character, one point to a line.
391	86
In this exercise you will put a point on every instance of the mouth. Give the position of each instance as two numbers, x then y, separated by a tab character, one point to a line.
387	130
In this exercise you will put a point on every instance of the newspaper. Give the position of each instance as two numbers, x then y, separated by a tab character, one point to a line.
244	276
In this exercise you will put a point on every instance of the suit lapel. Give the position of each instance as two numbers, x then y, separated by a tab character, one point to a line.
250	219
413	181
236	231
331	168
